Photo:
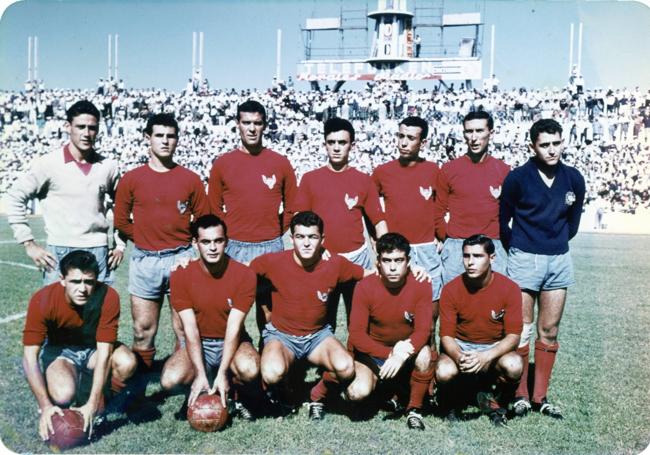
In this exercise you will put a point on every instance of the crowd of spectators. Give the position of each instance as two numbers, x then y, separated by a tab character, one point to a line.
607	131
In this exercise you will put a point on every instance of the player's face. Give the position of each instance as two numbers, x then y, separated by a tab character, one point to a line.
393	267
251	126
338	147
477	135
78	285
83	132
476	261
211	243
306	242
409	142
163	141
548	148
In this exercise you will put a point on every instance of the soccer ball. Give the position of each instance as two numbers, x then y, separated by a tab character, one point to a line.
68	430
207	413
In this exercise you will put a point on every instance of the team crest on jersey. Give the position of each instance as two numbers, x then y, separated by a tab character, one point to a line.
269	181
498	316
495	192
426	193
409	317
182	206
322	296
229	301
351	201
569	198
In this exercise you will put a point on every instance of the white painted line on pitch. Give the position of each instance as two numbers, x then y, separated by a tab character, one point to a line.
13	317
7	242
19	264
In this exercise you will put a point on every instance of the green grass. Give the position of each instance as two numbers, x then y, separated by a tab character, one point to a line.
601	379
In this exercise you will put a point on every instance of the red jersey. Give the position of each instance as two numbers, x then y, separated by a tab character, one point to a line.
299	296
469	192
162	204
381	316
409	193
340	199
51	316
212	297
484	316
246	192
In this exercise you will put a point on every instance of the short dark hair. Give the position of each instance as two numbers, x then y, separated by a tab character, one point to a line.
81	260
545	125
161	119
480	239
207	221
80	108
307	218
251	106
335	124
392	241
479	115
418	122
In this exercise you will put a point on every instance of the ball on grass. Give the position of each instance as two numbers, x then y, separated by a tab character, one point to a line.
207	413
68	430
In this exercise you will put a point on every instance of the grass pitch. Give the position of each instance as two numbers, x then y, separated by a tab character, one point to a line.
601	379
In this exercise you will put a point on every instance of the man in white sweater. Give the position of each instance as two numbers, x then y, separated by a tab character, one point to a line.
72	185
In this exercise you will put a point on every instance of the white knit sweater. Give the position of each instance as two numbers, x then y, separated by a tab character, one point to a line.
74	204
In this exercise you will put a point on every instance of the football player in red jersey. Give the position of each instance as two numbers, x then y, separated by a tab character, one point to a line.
480	324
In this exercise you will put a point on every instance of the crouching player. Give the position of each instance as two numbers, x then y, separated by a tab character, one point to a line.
480	323
212	296
298	329
390	327
71	328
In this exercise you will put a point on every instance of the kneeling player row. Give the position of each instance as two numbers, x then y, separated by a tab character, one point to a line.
389	330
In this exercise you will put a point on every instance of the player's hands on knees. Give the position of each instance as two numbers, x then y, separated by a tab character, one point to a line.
88	411
474	362
221	386
420	274
43	259
45	428
391	367
115	258
200	384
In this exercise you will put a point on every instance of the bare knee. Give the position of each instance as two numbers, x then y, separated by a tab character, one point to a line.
446	370
423	360
123	363
273	370
246	367
62	394
174	376
343	366
548	333
358	390
511	366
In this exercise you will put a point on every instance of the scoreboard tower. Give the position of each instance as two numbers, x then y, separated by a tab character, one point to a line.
392	54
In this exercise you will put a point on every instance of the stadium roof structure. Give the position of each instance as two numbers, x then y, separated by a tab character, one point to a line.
395	51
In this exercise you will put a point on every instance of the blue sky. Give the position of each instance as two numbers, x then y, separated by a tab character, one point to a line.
532	40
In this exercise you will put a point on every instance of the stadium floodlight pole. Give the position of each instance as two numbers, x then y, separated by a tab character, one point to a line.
278	55
36	58
580	48
117	42
200	55
492	52
110	51
571	49
29	58
193	53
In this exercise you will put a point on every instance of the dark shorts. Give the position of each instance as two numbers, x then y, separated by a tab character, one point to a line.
300	346
76	355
